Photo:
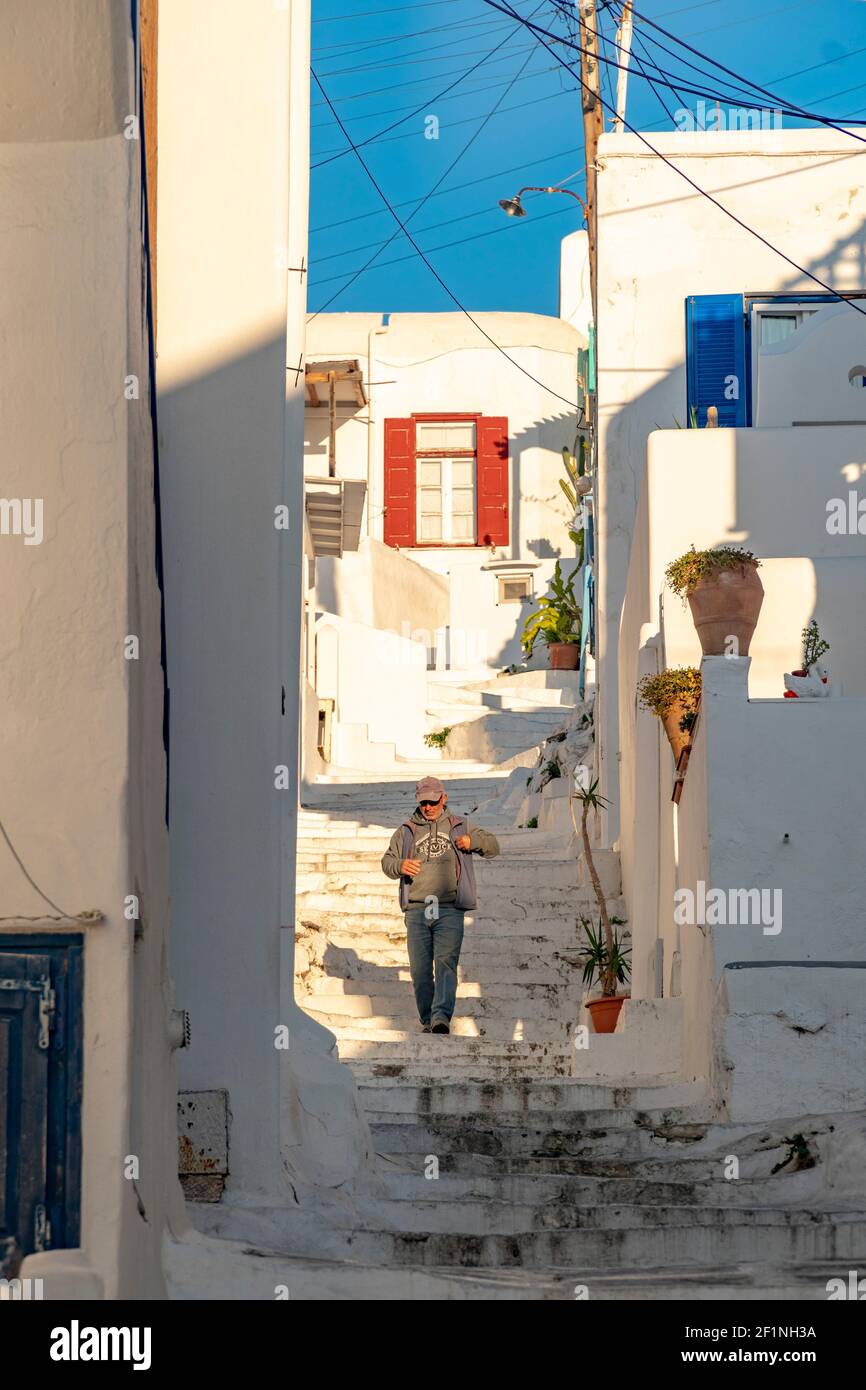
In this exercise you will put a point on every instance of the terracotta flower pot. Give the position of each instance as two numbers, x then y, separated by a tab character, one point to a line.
605	1012
564	656
677	737
726	604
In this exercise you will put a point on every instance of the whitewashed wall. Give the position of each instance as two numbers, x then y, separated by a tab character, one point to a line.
83	764
659	241
767	490
441	363
778	803
231	323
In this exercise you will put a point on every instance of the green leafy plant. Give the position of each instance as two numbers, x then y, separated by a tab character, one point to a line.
684	573
532	823
814	646
659	692
437	740
558	617
604	958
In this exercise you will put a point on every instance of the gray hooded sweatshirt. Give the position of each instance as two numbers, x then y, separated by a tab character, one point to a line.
441	867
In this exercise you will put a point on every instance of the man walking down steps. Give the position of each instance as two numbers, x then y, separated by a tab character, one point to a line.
431	854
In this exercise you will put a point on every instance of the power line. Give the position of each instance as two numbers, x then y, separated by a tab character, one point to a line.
370	138
507	226
572	405
393	9
430	227
467	120
443	193
783	109
808	115
484	22
703	192
788	110
417	55
442	177
470	89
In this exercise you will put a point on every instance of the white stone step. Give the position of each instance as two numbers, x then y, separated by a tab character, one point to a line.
513	1101
412	1047
493	904
553	1004
626	1237
520	875
389	1027
244	1271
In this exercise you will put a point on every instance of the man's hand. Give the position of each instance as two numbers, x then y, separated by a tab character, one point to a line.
410	867
463	842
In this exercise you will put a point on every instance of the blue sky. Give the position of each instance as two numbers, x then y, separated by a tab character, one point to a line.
379	61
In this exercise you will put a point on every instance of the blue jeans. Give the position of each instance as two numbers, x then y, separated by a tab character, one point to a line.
430	944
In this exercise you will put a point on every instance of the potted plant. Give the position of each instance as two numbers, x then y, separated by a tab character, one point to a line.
673	697
813	676
724	594
608	962
603	955
557	622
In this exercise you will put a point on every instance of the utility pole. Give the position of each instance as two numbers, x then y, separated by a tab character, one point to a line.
593	127
623	54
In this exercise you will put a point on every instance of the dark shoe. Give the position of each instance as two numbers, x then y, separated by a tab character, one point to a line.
425	1028
440	1027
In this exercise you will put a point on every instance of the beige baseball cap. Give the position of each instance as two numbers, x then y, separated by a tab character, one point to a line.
428	789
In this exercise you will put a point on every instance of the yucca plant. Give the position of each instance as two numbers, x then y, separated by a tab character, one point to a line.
591	801
603	959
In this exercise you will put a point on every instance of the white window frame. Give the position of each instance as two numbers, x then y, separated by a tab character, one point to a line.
509	578
446	458
767	308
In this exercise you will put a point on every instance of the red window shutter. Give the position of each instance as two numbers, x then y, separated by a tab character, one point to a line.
399	482
493	481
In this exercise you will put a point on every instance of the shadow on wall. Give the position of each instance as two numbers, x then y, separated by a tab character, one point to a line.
759	515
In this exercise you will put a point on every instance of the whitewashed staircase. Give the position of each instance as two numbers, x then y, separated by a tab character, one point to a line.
503	1174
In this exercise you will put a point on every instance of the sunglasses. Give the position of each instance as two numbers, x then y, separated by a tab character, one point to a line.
430	803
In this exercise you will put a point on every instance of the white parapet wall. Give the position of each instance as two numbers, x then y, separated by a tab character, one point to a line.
771	835
770	491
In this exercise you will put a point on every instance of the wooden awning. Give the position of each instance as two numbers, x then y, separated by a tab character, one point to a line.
343	379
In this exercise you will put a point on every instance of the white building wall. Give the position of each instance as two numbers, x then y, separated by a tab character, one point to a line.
766	489
83	768
233	218
778	805
425	363
659	241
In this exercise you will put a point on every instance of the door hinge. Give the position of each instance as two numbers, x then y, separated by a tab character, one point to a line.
41	1230
47	1003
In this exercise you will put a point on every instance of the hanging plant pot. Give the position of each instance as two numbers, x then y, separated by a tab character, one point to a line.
564	656
605	1012
677	737
725	604
673	695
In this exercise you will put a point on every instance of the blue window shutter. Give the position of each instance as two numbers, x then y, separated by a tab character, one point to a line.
716	353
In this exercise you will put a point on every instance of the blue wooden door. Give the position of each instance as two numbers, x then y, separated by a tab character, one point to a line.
40	1095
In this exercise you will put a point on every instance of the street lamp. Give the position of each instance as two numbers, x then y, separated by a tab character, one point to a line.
514	207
